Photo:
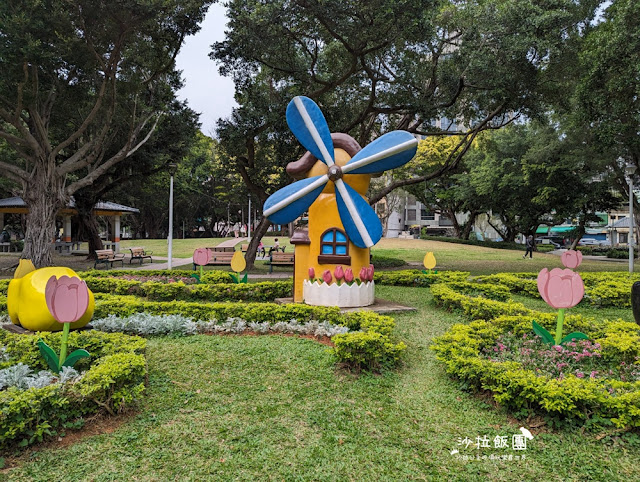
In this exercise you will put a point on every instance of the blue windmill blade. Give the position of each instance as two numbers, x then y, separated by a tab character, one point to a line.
288	203
359	219
308	124
387	152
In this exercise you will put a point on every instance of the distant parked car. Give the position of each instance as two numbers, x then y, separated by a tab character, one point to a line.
553	240
593	242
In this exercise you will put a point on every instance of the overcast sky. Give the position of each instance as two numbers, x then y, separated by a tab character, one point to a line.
205	90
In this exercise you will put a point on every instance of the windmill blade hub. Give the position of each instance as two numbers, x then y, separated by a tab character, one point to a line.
334	172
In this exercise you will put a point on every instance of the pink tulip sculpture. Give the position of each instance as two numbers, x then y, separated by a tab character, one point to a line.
364	274
339	274
67	300
312	275
348	276
201	257
326	276
561	289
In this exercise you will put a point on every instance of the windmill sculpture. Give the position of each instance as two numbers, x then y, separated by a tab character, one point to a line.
342	225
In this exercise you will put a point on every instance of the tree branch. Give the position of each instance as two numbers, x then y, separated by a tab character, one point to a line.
15	170
121	155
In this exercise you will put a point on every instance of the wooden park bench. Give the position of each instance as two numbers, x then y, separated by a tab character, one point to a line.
219	258
222	249
280	259
5	247
107	257
141	254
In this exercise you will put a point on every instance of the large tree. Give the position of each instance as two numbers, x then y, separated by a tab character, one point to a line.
377	65
603	101
83	86
177	132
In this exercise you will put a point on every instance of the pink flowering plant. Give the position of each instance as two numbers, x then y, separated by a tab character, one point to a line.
67	299
580	358
561	289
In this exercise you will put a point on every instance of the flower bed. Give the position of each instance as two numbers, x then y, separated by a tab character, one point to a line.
595	381
369	344
597	386
110	380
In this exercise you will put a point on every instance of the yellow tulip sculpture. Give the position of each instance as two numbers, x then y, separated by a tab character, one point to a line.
26	300
238	264
429	262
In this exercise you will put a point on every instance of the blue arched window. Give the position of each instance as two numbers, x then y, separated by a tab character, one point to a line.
334	247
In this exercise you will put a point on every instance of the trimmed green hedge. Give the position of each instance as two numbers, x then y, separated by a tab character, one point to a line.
414	277
114	378
387	262
209	277
155	291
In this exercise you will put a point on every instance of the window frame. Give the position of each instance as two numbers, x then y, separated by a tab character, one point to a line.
334	258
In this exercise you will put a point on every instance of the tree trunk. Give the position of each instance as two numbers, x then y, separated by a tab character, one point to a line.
451	214
44	197
466	230
580	233
260	231
88	224
90	232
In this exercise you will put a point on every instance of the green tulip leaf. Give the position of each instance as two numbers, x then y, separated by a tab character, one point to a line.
244	279
49	356
542	333
233	277
73	358
576	335
197	278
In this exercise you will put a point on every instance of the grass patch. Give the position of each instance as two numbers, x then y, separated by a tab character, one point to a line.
273	407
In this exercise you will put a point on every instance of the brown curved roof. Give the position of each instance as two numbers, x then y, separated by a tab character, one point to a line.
297	169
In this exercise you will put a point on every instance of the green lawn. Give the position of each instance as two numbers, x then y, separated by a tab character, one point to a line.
476	259
480	260
183	248
274	407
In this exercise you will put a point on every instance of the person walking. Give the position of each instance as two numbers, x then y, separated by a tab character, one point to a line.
530	246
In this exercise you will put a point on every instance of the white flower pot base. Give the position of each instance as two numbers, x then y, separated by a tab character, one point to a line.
342	296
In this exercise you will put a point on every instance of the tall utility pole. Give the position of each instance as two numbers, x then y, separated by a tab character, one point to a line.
630	171
249	221
172	171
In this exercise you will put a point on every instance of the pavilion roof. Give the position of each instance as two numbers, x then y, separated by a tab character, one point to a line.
18	202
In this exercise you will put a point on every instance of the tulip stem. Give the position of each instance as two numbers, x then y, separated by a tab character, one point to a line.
63	346
559	326
201	272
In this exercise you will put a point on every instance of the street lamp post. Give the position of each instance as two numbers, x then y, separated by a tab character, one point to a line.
629	171
173	167
249	222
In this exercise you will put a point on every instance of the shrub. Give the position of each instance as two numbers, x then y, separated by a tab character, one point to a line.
145	324
209	277
475	308
4	286
415	277
114	378
367	350
386	262
158	291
